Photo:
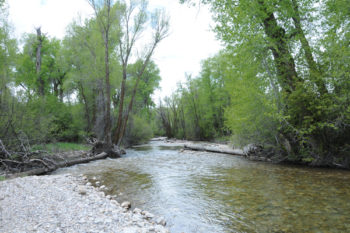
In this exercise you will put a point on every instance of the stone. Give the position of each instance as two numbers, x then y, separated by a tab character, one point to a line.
115	202
137	211
161	221
61	209
126	205
147	214
81	190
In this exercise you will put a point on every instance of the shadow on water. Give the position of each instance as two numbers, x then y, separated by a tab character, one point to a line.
207	192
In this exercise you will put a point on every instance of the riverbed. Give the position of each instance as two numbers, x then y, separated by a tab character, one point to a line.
210	192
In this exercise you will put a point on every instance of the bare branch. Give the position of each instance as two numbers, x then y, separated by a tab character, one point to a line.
3	150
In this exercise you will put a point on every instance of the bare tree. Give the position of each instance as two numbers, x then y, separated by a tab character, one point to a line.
133	28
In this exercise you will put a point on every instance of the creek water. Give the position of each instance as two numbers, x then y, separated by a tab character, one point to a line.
209	192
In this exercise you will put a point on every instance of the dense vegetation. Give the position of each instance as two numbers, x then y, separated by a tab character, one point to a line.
282	81
95	83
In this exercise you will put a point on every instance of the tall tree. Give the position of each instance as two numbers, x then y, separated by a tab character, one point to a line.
106	18
131	31
39	45
288	51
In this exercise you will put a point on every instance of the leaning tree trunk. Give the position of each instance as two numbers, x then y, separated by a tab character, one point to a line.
283	59
117	133
315	72
107	129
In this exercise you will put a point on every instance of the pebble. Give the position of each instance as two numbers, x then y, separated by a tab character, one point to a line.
81	190
126	205
137	211
59	203
161	221
148	215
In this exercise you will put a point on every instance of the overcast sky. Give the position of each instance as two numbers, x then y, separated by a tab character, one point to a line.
191	39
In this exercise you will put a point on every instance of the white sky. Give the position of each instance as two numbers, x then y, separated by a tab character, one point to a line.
190	41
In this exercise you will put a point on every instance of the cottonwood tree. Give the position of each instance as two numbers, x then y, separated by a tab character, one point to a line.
84	51
290	50
133	22
106	18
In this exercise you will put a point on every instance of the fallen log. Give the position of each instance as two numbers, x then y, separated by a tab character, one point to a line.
214	149
45	170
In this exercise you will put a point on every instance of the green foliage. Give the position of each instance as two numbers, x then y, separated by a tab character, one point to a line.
196	110
2	178
287	75
252	113
139	131
66	99
60	147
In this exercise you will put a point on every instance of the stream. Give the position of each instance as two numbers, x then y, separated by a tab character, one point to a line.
210	192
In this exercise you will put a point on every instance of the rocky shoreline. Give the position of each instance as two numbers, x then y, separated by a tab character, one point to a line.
65	203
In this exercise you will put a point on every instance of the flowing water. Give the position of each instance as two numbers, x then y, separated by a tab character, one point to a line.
209	192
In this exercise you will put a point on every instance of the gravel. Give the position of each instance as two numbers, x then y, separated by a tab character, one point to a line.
63	203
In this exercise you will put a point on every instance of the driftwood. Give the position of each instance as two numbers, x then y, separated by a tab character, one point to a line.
214	149
48	168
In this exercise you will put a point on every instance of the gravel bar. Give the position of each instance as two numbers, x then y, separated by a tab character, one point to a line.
64	203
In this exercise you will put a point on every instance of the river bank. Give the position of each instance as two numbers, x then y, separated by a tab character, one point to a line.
250	152
197	191
65	203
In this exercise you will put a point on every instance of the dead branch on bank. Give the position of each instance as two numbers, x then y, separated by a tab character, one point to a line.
214	149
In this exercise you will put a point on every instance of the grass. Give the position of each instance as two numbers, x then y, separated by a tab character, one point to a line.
2	178
61	147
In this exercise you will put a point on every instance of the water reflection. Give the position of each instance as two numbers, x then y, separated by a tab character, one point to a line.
206	192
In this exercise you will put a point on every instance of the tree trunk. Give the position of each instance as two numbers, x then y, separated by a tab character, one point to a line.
107	129
139	75
214	149
86	106
121	105
38	62
283	59
45	170
94	108
315	73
